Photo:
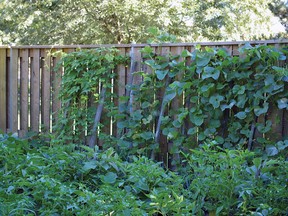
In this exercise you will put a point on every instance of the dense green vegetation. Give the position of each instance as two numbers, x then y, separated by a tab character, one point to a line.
125	21
216	164
38	179
225	97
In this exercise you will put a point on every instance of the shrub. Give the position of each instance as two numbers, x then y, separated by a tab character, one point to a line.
236	182
60	180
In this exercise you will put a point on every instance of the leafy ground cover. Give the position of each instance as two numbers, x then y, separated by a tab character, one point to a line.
69	180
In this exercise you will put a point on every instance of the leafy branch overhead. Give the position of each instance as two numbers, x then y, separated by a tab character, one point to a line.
125	21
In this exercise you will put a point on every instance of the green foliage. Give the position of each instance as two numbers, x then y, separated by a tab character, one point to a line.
125	21
224	97
235	182
61	180
87	73
280	9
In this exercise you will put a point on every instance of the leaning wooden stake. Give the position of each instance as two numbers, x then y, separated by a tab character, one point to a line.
162	110
93	139
252	134
130	92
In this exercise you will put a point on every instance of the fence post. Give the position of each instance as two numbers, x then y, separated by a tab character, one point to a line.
12	91
3	113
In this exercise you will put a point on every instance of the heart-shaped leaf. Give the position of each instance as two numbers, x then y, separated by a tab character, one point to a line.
281	145
271	150
215	100
161	74
241	115
261	110
283	103
197	119
203	59
237	89
210	72
169	96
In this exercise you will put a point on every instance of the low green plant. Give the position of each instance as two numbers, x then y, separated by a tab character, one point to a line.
235	182
60	180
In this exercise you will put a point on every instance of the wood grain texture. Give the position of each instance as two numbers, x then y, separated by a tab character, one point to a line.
24	91
13	91
56	84
3	100
46	91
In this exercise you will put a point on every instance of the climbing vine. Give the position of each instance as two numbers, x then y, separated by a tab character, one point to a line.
187	99
87	78
222	97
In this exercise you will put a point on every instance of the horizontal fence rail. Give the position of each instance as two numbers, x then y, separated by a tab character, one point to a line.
29	86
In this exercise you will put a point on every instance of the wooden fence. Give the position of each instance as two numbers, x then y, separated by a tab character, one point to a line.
29	85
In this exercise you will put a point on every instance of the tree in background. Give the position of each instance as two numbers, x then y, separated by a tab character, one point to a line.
230	19
124	21
280	9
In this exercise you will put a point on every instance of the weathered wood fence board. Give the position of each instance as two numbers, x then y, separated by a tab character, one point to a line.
3	112
24	89
13	90
29	85
46	91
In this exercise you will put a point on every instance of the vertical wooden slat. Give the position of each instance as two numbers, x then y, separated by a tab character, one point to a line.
12	91
56	83
177	102
66	114
235	51
24	77
120	88
35	90
148	70
3	79
105	120
285	118
276	116
163	143
188	104
45	91
137	79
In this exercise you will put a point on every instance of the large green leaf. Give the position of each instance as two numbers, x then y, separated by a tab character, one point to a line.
185	53
207	87
147	135
110	178
192	131
197	119
228	106
283	103
210	72
215	100
169	96
271	150
261	110
203	59
89	165
161	74
241	115
237	89
281	145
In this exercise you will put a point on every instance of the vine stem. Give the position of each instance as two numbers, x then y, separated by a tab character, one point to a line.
93	139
